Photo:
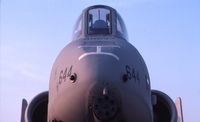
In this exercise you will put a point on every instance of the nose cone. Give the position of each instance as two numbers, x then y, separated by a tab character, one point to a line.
104	103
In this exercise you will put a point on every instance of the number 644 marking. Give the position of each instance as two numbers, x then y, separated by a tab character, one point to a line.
67	72
132	73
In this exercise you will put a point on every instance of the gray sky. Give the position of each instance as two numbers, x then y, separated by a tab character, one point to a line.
166	33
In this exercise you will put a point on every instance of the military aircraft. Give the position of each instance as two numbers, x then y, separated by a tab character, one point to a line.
100	77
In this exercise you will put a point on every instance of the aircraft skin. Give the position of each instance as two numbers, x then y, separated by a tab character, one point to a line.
100	77
94	74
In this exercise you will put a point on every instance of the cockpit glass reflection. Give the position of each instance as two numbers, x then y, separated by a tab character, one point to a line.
121	29
78	27
99	21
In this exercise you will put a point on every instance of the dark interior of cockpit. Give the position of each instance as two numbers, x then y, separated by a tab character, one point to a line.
99	21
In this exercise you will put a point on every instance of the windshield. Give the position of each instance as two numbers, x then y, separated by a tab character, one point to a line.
78	27
121	29
99	21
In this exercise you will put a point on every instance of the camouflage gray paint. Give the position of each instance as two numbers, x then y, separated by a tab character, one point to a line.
101	69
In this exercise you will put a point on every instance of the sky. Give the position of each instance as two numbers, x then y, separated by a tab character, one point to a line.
33	32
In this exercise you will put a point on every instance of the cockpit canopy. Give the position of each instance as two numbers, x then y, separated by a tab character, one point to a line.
99	20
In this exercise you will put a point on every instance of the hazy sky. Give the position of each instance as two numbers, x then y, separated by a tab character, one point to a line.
166	33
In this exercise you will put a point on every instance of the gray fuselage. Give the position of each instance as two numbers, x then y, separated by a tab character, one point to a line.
103	66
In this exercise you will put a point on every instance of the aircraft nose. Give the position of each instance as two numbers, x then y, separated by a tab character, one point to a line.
104	103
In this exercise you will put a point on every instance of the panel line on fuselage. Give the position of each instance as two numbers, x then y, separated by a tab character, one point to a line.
99	51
